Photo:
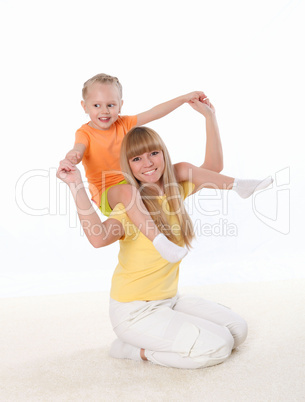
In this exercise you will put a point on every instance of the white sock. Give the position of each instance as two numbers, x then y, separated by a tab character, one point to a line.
168	250
245	188
121	350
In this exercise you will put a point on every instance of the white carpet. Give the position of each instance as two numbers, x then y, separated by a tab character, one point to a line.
55	348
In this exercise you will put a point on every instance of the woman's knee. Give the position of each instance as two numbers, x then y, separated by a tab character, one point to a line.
208	353
202	346
239	332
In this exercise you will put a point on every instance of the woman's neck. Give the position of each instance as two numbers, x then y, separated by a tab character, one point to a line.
155	186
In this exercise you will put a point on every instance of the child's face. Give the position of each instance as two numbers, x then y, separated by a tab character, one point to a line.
148	167
103	104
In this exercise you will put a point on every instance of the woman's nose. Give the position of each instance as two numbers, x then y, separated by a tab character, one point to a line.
148	161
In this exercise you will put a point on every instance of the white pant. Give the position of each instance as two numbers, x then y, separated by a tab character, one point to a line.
183	332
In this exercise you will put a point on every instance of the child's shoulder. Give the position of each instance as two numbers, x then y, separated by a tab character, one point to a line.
84	128
127	121
83	134
130	120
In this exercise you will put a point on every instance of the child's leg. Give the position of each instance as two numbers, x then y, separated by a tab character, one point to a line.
138	214
203	178
246	187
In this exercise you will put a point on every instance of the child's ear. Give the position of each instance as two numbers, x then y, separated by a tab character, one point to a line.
84	106
121	105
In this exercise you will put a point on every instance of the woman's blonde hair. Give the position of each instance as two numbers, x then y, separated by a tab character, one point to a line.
102	79
136	142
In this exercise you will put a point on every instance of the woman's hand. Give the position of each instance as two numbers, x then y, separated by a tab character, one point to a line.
68	172
203	106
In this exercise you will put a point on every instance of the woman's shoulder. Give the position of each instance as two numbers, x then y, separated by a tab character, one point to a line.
118	211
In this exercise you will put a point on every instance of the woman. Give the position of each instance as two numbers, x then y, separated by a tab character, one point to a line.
152	321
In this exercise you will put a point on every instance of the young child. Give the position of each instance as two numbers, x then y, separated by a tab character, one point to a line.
98	143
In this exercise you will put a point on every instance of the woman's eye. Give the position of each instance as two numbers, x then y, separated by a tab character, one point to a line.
155	153
136	159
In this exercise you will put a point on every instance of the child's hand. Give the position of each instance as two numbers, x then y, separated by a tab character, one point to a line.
203	106
194	95
68	173
73	156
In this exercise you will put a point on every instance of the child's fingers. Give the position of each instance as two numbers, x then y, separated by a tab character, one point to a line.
195	100
75	154
202	96
67	164
74	158
204	99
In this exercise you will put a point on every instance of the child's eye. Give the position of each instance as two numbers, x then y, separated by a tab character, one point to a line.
97	105
136	159
111	105
155	153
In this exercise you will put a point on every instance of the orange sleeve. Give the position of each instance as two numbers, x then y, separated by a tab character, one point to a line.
129	122
133	121
82	137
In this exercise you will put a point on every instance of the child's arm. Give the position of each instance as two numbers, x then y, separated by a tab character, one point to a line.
76	154
165	108
99	233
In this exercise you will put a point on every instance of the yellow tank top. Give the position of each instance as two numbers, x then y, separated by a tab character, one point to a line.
141	273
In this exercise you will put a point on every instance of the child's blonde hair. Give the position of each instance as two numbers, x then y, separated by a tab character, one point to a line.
136	142
102	79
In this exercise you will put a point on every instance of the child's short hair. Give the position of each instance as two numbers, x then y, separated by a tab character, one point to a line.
102	79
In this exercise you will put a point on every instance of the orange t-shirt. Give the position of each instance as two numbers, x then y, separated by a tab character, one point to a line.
101	159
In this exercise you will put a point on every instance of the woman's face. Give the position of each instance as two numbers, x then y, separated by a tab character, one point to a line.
148	167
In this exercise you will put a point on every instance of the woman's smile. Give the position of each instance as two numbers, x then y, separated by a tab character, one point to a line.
150	172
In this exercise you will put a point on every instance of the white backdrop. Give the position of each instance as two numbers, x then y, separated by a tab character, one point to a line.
247	56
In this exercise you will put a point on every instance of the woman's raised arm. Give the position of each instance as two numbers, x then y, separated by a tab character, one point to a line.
99	234
213	151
